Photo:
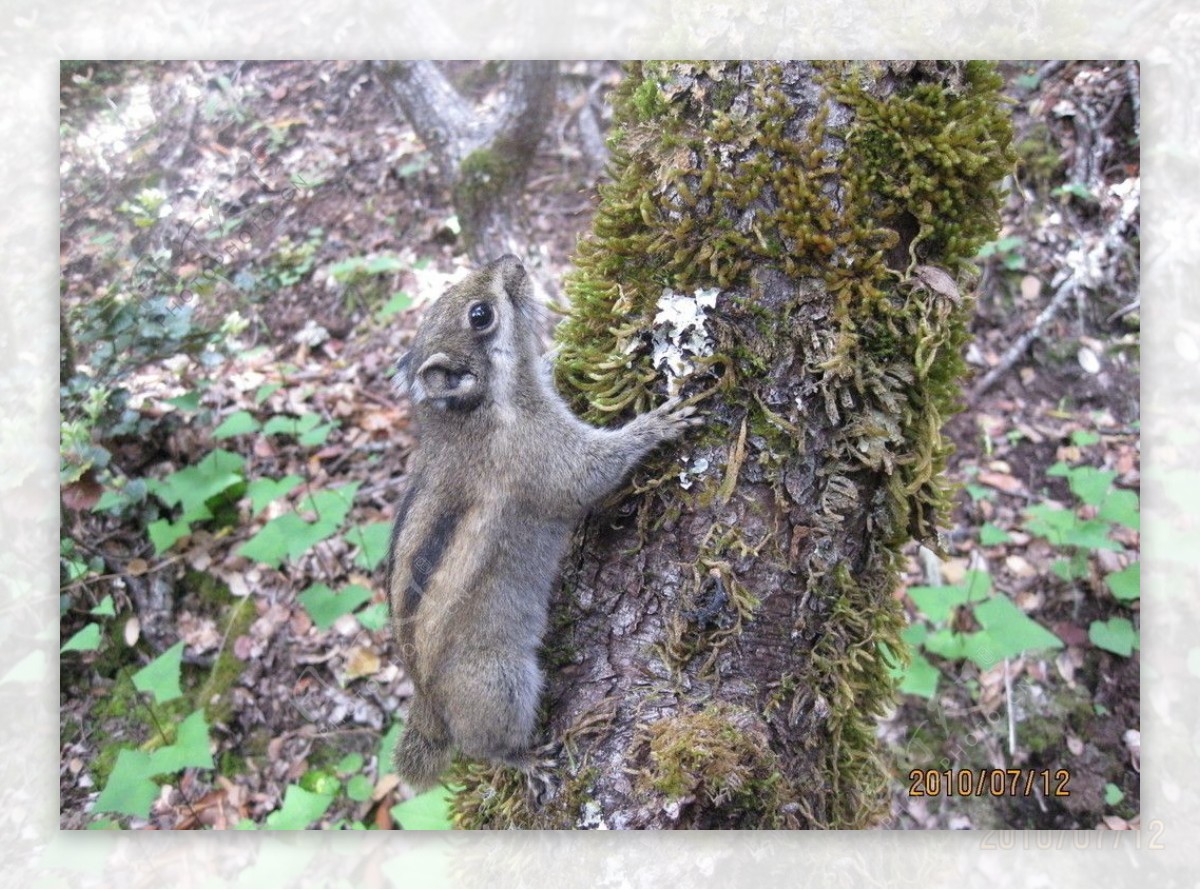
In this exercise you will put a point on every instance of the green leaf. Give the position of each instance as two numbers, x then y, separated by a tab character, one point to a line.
398	303
290	536
270	545
191	747
320	782
325	607
237	424
351	763
374	616
1126	584
331	505
1075	190
1112	794
282	424
1007	632
359	788
948	644
1116	635
381	265
372	541
1013	261
921	677
189	401
1122	507
129	789
317	435
161	677
1072	569
193	487
112	499
105	607
991	535
1091	485
265	391
300	809
937	603
164	534
85	641
979	492
387	746
1051	523
425	812
262	491
1084	438
1091	534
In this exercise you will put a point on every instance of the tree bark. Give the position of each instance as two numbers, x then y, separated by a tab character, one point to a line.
484	156
722	641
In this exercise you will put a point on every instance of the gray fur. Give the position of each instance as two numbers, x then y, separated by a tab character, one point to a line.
503	456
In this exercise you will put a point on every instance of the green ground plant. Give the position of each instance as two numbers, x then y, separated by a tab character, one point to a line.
1001	629
221	491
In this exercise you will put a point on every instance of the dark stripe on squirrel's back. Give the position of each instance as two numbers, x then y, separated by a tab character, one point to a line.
397	527
427	557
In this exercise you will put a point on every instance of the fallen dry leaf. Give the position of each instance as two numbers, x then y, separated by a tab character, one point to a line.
1001	482
82	495
1019	566
361	662
954	570
200	634
387	783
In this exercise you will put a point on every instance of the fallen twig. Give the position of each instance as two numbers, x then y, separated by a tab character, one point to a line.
1013	354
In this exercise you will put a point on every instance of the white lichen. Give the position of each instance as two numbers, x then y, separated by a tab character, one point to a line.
592	817
681	333
697	467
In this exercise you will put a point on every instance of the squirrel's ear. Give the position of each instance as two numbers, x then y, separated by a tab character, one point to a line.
402	382
510	275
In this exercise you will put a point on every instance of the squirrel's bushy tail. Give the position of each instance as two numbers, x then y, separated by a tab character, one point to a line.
421	758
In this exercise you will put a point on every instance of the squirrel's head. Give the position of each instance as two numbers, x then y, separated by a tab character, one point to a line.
471	341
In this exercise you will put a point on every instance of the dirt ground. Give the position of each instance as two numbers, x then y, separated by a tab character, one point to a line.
276	173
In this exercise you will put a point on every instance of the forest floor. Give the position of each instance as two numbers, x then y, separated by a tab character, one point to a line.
305	188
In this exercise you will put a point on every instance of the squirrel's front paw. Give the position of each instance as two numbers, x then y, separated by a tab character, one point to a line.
674	418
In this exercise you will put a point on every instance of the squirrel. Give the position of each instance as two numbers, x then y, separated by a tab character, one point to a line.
502	474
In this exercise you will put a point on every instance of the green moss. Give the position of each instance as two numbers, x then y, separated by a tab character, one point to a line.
648	101
935	151
846	672
498	797
1039	159
719	754
483	175
212	694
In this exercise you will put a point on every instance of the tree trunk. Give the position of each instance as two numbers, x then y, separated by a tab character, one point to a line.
483	156
721	643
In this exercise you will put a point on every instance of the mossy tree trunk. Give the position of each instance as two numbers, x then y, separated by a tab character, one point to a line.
720	651
483	155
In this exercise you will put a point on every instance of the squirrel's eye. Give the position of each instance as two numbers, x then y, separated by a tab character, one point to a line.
480	315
